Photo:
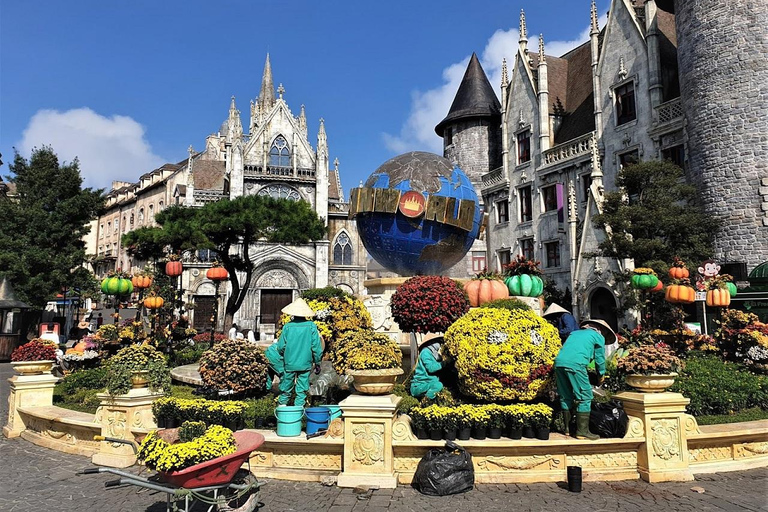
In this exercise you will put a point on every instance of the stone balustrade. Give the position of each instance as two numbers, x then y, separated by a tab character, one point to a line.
573	148
493	178
669	111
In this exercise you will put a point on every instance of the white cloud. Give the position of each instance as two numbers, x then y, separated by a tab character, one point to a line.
108	148
430	107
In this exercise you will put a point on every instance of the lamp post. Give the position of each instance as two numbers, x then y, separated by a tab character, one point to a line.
217	274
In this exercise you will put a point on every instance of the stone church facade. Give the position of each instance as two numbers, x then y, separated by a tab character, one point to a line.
569	123
271	156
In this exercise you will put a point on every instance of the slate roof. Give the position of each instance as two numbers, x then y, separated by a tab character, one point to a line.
475	97
209	174
8	298
334	186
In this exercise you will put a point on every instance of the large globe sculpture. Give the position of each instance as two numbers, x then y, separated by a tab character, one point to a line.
417	214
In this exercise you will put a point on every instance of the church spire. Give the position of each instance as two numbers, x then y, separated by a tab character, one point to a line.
504	76
523	32
267	94
234	124
594	29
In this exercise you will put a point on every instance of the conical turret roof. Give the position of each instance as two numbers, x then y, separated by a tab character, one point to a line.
475	97
8	298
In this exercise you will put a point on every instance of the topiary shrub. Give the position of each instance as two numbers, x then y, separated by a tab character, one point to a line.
718	387
428	304
235	365
510	304
502	355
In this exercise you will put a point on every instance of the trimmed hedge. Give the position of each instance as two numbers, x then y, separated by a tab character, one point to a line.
718	387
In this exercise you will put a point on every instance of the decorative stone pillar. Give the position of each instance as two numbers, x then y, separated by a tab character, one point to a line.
664	455
27	391
368	456
123	417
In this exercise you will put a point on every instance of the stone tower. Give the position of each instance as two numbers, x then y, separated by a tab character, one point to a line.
473	122
723	60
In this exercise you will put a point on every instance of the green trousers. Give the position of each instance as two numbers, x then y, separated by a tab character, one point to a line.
287	382
429	388
573	386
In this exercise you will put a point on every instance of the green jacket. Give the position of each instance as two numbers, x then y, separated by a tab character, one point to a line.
275	359
580	349
300	345
427	367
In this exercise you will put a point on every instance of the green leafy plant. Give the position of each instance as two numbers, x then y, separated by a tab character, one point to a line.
137	358
509	304
522	265
235	365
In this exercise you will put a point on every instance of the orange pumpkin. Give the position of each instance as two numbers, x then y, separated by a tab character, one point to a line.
217	274
679	294
659	287
481	291
173	268
678	272
718	298
141	281
153	302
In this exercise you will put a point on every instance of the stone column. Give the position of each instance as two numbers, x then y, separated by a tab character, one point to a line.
664	456
27	391
368	456
122	417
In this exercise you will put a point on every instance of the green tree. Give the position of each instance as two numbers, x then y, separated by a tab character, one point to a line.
230	228
655	216
41	235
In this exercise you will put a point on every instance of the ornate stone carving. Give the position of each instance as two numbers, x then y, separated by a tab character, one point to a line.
277	278
335	429
401	429
635	428
665	439
604	460
306	460
751	449
709	453
368	444
407	464
494	463
691	425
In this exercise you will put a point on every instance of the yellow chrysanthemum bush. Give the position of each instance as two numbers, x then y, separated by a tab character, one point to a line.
158	454
502	355
365	349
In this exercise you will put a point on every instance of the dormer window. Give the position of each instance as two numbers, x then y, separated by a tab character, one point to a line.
524	147
625	103
280	155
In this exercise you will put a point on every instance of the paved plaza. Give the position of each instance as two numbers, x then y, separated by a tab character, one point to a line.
37	479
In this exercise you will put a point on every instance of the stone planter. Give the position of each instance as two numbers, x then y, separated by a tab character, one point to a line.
139	379
32	367
651	383
375	382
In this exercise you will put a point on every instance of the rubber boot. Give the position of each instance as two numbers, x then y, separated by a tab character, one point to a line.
582	427
567	416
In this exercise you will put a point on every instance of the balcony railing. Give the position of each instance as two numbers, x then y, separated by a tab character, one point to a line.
277	171
573	148
495	177
670	111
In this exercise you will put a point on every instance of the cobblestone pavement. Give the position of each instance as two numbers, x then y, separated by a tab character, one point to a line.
37	479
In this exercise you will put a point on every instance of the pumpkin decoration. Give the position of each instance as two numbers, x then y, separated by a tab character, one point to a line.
217	274
731	288
659	287
718	298
525	285
680	294
173	268
485	289
678	270
153	302
141	281
644	279
116	285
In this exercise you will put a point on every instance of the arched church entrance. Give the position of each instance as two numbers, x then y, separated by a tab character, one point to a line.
275	288
602	306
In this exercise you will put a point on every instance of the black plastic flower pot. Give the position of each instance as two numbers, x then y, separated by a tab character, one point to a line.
515	432
463	434
494	433
449	435
161	422
422	433
479	433
435	434
542	433
529	432
171	422
574	478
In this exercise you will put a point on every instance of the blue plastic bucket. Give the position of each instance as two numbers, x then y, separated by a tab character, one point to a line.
289	420
335	411
317	419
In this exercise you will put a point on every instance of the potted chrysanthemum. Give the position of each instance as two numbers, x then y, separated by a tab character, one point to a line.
34	357
374	360
650	368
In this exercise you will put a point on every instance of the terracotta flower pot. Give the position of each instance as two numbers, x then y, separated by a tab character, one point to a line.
657	383
375	382
32	367
139	379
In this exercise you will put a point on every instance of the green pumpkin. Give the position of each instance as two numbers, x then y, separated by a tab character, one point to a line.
105	286
116	286
524	285
644	281
731	289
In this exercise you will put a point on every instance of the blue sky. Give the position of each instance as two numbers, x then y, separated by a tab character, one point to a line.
127	86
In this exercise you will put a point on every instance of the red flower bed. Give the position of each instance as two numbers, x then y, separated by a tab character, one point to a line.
35	350
428	304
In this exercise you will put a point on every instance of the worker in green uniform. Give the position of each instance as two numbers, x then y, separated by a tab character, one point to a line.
425	381
582	346
300	347
276	365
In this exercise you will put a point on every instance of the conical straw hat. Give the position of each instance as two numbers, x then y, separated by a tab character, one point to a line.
608	334
298	308
554	309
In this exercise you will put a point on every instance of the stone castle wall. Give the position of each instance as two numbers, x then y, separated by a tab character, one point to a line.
473	147
723	58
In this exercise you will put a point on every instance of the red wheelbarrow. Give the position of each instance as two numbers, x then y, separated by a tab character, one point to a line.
219	482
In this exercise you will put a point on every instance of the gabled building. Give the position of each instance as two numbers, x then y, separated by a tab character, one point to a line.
273	157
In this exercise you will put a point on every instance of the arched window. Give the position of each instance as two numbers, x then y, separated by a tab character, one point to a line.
131	220
342	250
151	213
124	224
160	206
280	155
141	216
280	192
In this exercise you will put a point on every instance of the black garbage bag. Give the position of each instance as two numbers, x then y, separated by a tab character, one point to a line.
445	471
608	419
